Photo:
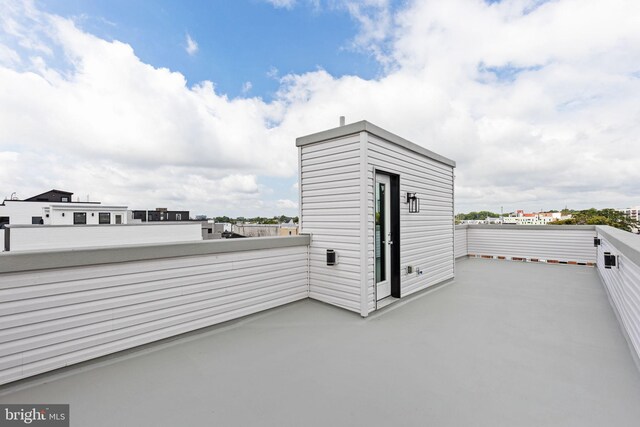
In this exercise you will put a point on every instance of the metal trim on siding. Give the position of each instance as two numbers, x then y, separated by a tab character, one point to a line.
364	282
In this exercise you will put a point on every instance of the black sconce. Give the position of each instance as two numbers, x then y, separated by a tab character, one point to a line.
596	241
62	213
609	260
414	202
93	214
331	257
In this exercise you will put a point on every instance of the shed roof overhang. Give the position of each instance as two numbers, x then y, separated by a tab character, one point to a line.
357	127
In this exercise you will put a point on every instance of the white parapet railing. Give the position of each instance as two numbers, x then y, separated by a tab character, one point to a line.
553	244
618	263
53	237
58	308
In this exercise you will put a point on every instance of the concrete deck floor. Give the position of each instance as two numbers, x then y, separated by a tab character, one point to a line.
506	344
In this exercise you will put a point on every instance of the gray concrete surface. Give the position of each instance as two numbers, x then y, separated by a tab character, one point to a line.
506	344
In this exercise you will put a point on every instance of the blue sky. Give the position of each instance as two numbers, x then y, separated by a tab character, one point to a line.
238	41
107	98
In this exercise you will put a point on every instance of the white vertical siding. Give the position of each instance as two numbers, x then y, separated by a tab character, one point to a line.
623	285
426	238
461	241
54	318
330	212
544	243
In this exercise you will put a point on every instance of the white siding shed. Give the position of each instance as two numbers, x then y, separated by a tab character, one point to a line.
342	208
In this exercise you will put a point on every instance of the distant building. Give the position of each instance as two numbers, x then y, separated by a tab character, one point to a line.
265	230
52	196
222	227
55	207
633	213
535	218
288	229
160	214
256	230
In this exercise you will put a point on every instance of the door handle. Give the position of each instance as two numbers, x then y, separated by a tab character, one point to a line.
389	241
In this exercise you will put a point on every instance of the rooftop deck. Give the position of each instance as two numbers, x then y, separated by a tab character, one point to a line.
507	343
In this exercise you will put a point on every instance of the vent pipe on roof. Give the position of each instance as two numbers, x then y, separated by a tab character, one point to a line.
342	120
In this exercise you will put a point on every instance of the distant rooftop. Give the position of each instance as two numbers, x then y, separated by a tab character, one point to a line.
51	196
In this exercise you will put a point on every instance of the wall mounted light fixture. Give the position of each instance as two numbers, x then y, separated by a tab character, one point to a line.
331	257
414	202
609	260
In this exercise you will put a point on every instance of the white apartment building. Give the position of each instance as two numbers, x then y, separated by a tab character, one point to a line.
56	208
633	213
536	218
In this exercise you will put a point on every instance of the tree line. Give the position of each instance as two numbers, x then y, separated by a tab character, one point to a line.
611	217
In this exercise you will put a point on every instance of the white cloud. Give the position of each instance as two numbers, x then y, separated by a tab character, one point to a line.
192	46
536	103
9	56
273	73
282	4
246	87
375	19
286	204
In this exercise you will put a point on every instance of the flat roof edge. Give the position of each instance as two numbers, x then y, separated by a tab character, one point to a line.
626	243
365	126
130	224
530	227
13	262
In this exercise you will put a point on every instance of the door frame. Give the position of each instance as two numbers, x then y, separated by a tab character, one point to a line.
383	239
394	252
